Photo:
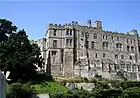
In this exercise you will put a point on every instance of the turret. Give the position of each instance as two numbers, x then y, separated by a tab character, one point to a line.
98	24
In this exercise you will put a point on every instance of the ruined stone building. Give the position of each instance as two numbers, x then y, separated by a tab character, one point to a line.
76	50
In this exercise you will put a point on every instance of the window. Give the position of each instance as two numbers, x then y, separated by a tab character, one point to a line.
131	41
130	57
134	41
128	48
117	38
119	46
116	56
132	48
54	53
92	45
87	44
122	56
139	68
127	40
104	55
96	55
68	42
54	32
106	37
95	36
81	39
103	37
128	67
67	32
105	45
112	37
134	68
54	43
70	32
82	34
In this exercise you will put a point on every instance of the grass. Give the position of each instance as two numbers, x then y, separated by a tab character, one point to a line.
49	87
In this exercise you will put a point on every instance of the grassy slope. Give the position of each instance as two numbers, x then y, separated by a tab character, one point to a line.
49	87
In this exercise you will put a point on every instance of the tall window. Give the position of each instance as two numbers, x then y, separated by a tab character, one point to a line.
116	56
128	67
119	46
67	32
87	44
54	43
117	38
127	40
71	32
92	45
104	55
139	68
82	34
95	36
105	45
54	32
68	42
134	68
122	56
132	48
96	55
128	49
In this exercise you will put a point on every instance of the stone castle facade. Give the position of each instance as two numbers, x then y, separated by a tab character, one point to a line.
76	50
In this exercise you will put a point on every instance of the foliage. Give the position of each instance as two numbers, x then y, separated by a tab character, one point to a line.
48	87
17	55
18	90
131	93
6	27
129	84
106	93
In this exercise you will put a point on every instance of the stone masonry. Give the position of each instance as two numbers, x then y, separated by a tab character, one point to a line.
76	50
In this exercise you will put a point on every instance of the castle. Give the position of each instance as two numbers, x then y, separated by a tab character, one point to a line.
86	51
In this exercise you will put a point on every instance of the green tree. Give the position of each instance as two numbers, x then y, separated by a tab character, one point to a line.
17	55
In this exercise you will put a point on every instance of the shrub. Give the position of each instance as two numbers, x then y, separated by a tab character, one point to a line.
131	93
18	90
129	84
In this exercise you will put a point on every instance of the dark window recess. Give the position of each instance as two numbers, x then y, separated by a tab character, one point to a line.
128	48
70	32
87	44
95	36
54	43
104	55
132	48
122	56
116	56
96	55
54	53
117	38
92	45
62	53
130	57
54	32
67	32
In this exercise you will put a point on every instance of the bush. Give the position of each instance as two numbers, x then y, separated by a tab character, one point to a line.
18	90
106	93
131	93
129	84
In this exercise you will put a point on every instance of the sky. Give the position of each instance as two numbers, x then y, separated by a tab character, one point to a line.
34	16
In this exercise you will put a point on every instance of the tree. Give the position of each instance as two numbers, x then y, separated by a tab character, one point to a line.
6	27
17	55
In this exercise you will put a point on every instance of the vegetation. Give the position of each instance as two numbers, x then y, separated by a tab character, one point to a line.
17	55
22	58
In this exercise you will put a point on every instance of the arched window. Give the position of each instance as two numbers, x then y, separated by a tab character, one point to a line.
95	36
119	47
105	45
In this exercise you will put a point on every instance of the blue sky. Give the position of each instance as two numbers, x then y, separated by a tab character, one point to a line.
34	16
